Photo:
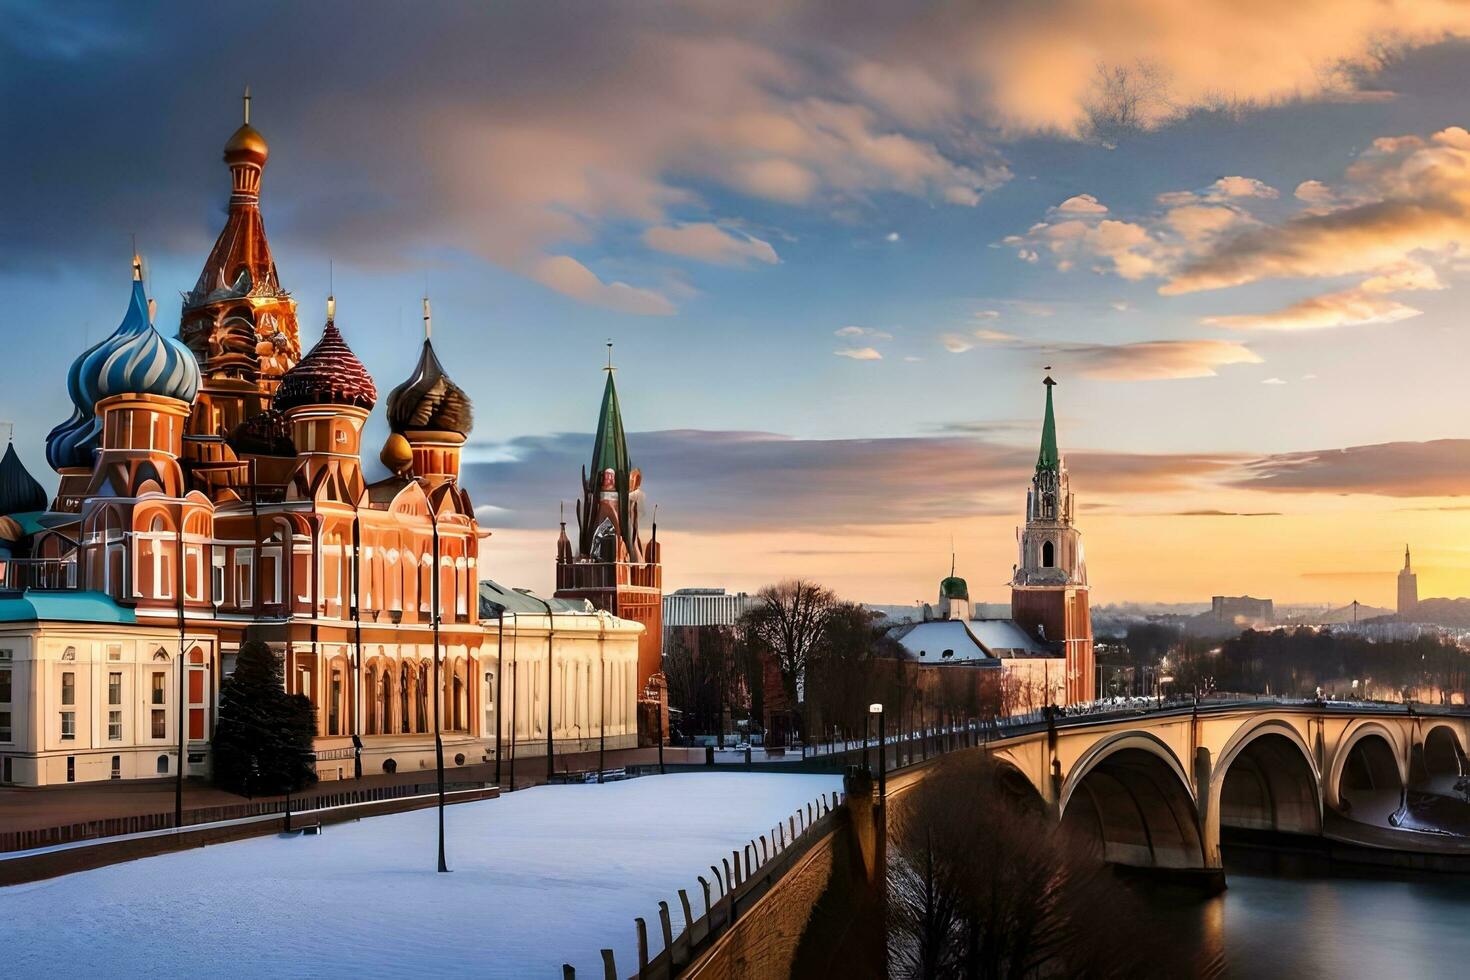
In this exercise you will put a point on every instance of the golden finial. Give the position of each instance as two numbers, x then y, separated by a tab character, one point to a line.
331	308
137	267
247	103
428	326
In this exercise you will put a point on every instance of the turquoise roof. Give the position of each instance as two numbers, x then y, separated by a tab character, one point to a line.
67	607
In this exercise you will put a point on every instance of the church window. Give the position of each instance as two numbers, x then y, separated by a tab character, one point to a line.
1048	555
403	698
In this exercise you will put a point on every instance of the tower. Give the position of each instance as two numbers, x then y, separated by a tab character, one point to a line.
325	400
238	321
1049	585
611	566
430	417
1408	588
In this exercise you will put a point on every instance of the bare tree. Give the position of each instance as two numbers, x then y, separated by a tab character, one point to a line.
982	885
789	621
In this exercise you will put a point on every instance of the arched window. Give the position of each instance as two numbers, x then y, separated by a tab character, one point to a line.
385	704
163	765
403	698
1048	555
458	703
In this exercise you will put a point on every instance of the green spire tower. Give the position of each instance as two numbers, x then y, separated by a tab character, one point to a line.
1049	458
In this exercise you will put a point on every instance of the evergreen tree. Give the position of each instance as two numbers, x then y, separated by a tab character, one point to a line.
262	745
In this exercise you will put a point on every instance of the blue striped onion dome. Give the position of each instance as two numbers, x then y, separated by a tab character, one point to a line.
135	359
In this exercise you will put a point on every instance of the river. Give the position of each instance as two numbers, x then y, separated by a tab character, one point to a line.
1307	927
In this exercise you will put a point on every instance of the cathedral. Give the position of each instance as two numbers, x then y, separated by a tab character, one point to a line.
1044	650
212	490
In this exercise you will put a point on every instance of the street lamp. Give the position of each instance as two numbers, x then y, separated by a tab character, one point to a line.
877	709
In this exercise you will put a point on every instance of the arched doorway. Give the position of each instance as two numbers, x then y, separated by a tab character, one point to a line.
1132	804
1270	785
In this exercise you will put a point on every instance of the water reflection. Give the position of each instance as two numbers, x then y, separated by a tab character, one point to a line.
1303	927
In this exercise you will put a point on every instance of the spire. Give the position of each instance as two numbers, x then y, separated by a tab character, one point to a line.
610	448
1048	458
1406	558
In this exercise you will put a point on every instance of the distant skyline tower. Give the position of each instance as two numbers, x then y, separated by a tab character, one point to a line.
1049	584
1408	587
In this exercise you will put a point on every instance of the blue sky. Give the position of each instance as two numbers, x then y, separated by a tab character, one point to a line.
735	197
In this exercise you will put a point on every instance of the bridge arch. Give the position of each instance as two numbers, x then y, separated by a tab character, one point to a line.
1017	787
1131	796
1369	772
1265	779
1443	753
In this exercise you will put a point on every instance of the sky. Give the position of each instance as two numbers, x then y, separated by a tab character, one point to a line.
836	246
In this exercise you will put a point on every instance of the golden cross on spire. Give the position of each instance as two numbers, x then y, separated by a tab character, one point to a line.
247	103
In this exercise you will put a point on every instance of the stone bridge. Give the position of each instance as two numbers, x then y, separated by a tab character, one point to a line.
1156	787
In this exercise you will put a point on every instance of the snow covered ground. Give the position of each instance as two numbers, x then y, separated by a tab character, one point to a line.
541	877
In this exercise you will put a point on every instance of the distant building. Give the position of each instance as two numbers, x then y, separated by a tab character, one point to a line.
1408	588
703	607
1034	669
1242	608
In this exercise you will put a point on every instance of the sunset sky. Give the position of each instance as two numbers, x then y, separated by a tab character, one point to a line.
835	245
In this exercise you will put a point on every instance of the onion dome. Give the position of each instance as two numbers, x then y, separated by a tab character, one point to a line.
265	434
330	374
246	146
428	401
397	454
134	359
19	491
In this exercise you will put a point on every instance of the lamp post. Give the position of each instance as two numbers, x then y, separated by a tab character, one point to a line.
435	598
876	708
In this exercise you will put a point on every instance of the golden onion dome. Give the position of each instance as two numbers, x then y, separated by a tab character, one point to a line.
247	146
397	454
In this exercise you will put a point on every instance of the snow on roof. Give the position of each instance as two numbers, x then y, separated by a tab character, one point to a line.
969	641
941	641
1006	639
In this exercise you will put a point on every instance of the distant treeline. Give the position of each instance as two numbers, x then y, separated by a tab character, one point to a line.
1297	662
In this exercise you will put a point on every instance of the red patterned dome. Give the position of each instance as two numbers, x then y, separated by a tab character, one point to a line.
330	374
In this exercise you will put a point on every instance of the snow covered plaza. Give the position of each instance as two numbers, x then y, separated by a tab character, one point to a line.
540	877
